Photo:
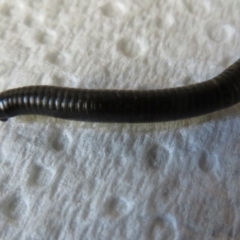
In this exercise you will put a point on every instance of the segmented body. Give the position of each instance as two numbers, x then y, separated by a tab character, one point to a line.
125	105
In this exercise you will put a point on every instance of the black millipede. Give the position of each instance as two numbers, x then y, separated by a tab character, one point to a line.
131	106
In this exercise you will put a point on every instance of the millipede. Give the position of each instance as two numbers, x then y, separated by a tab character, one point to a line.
125	106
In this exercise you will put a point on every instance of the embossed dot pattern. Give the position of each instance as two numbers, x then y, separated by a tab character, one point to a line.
206	163
157	157
113	9
73	180
57	140
115	207
38	175
130	48
52	57
221	33
162	228
13	207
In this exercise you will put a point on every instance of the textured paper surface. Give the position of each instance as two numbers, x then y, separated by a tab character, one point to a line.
73	180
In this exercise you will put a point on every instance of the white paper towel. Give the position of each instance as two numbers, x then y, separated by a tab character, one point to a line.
73	180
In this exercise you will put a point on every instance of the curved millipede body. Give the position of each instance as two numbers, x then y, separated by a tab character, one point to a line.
125	105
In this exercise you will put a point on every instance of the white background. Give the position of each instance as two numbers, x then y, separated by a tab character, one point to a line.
72	180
